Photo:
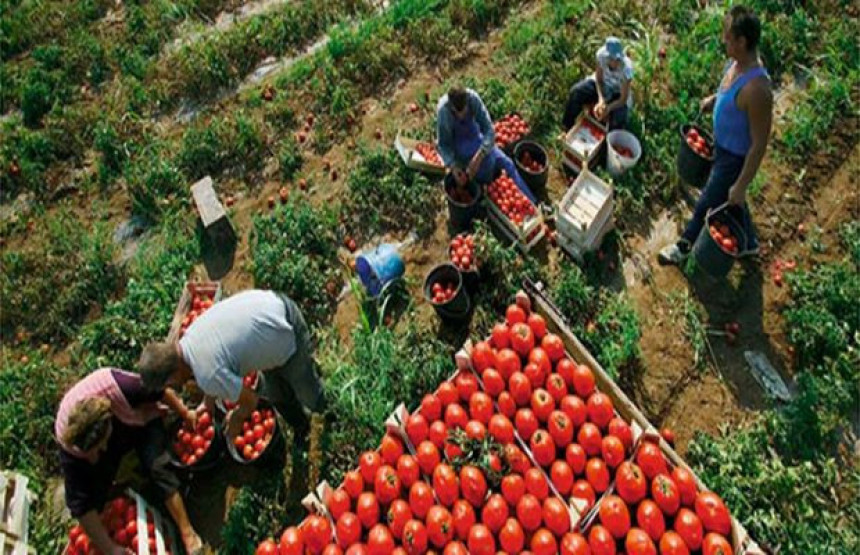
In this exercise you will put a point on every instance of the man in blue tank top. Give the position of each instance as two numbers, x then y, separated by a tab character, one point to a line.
743	114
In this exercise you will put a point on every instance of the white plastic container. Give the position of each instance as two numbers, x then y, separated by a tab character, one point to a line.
617	164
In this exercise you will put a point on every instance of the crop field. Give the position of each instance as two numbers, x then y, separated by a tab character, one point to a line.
111	110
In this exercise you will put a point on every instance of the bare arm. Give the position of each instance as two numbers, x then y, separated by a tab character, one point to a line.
245	406
757	101
172	400
621	100
598	80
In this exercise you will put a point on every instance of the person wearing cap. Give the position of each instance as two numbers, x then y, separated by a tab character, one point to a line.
467	141
254	330
743	117
608	88
103	417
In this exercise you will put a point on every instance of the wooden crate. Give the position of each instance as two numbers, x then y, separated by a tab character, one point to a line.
556	323
526	236
15	499
184	304
581	148
585	211
407	148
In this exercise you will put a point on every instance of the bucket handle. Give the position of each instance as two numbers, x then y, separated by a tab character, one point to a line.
742	234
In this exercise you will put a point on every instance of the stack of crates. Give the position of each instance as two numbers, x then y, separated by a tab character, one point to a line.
584	215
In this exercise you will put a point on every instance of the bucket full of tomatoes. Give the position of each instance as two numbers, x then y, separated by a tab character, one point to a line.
443	288
199	447
251	380
720	242
461	252
695	155
463	202
260	438
533	164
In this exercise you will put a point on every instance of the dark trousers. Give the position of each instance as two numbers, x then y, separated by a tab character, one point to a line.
584	93
725	171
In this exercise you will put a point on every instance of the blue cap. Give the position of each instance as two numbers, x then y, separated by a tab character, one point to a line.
614	48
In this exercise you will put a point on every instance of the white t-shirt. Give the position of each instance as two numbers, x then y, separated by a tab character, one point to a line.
612	79
248	331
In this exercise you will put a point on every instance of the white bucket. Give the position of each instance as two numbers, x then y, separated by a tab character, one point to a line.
617	164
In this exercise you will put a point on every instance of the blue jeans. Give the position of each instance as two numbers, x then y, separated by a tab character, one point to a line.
727	167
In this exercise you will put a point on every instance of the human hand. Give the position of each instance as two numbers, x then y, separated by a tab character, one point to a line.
600	110
234	424
474	165
737	195
191	418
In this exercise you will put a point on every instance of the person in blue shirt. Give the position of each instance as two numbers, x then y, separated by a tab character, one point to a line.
467	142
743	116
608	88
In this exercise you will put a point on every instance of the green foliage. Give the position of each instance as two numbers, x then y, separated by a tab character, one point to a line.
221	145
37	96
259	511
113	154
290	157
32	150
828	99
154	183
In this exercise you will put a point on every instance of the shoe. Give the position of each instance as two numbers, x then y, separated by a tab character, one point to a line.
672	255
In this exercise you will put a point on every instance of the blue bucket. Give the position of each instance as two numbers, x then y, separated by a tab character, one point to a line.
378	268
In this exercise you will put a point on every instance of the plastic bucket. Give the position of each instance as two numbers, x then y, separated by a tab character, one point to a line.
209	459
616	164
692	167
457	309
275	445
710	256
379	267
459	213
535	180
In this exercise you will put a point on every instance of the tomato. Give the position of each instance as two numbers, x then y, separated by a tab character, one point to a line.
494	383
612	450
522	339
668	436
560	428
481	407
473	485
650	459
368	463
356	549
576	458
573	543
621	429
316	533
520	388
664	491
601	541
501	336
463	515
506	404
554	347
582	490
380	541
267	547
562	476
529	512
516	459
630	482
555	516
543	543
590	439
417	428
445	484
713	513
597	474
600	410
447	394
543	448
514	314
391	448
414	537
574	408
348	529
455	548
501	429
495	513
511	536
536	483
686	485
408	470
420	499
398	515
526	423
367	509
456	416
508	362
440	526
386	484
474	430
535	374
672	544
689	527
638	543
481	541
466	383
556	387
427	455
338	503
483	356
540	358
542	404
615	516
330	549
583	381
513	487
716	544
438	434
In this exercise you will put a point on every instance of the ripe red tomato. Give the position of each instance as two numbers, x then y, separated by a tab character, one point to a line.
481	407
511	536
420	499
391	448
501	336
689	527
601	541
386	484
357	549
529	512
686	485
414	537
431	407
542	404
638	543
481	541
455	548
590	439
583	381
540	358
576	458
574	543
555	516
600	409
516	459
514	314
537	324
368	463
380	540
483	356
543	448
543	543
560	428
651	460
473	485
513	487
554	347
455	416
291	539
526	423
506	404
556	387
713	513
330	549
715	544
316	533
520	388
615	516
650	518
501	429
445	484
535	374
266	547
672	544
427	455
665	494
398	515
367	509
348	529
522	339
408	470
466	383
494	384
447	393
495	513
619	428
613	451
508	362
463	515
630	482
339	503
438	434
574	408
440	526
562	476
597	474
536	483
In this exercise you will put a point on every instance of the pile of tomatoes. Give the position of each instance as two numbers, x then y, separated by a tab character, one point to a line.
511	201
698	143
250	381
462	252
257	432
443	292
722	235
192	442
200	303
120	519
510	129
429	153
595	130
530	163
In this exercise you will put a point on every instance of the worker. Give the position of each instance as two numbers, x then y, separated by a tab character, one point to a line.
253	330
743	115
101	418
467	141
608	88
